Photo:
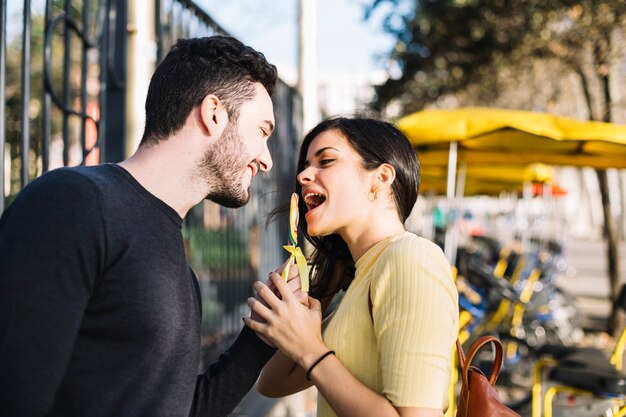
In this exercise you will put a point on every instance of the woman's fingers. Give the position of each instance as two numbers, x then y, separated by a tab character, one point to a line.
314	304
257	309
286	323
302	297
294	278
259	328
271	298
271	294
284	289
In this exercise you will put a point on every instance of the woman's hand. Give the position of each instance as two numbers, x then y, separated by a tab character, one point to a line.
293	326
293	281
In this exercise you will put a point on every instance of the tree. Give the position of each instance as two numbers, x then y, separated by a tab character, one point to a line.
444	46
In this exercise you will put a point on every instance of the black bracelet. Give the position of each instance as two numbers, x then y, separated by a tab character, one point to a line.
321	358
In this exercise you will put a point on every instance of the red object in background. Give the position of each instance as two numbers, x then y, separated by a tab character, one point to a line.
556	191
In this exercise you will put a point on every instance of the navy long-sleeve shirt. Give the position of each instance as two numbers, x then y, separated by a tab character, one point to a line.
100	313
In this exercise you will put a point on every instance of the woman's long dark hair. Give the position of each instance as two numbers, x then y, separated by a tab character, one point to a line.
377	143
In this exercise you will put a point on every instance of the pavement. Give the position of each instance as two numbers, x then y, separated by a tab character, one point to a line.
302	404
590	284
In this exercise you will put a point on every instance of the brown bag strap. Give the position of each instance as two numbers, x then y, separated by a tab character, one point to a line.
466	361
461	354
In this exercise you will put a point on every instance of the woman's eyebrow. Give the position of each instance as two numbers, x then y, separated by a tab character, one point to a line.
318	153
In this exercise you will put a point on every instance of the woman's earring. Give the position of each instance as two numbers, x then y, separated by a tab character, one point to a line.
375	192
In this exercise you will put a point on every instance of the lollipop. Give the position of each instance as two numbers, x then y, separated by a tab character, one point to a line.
293	248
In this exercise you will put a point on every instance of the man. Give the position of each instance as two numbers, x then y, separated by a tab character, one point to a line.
99	310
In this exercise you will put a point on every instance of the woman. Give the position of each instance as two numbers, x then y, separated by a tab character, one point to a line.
386	349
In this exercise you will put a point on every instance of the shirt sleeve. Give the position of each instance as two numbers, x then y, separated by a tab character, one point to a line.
226	381
51	246
415	312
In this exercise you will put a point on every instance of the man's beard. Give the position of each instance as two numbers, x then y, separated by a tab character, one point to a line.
222	168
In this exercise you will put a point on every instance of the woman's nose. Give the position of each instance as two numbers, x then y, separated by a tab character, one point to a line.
305	176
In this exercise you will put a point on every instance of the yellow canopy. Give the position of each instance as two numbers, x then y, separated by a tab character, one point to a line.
498	136
486	179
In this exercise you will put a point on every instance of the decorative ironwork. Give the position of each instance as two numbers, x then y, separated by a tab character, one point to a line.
59	99
69	102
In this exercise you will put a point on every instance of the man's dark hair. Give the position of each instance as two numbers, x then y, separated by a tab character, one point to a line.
195	68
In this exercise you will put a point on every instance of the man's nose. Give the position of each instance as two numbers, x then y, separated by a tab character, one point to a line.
265	160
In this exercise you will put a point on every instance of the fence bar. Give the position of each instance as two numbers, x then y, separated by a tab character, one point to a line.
3	95
159	29
67	93
83	80
26	64
102	94
112	127
203	16
47	105
170	24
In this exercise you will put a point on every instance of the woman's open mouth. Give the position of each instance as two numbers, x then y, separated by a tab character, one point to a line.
313	201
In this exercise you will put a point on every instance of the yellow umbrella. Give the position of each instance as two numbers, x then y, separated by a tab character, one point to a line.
486	179
498	136
476	135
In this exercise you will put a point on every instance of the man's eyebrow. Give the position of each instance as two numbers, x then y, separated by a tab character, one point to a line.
318	153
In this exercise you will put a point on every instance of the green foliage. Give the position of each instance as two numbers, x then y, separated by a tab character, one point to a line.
216	250
444	45
212	311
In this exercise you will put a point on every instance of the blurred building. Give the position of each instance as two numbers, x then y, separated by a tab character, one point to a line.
342	93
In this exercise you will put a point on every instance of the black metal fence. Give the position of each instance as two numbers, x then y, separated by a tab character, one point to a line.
62	103
59	75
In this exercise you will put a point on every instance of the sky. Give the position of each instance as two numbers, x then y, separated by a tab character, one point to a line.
345	42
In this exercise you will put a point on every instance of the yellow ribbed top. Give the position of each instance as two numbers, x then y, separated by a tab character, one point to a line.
406	352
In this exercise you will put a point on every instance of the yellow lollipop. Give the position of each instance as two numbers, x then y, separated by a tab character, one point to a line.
293	248
294	218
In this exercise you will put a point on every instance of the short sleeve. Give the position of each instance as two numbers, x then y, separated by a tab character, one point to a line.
415	312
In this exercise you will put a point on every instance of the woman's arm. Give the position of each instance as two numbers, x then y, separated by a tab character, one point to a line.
296	330
281	376
348	397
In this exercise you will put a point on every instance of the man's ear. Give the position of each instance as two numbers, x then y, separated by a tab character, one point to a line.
213	115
